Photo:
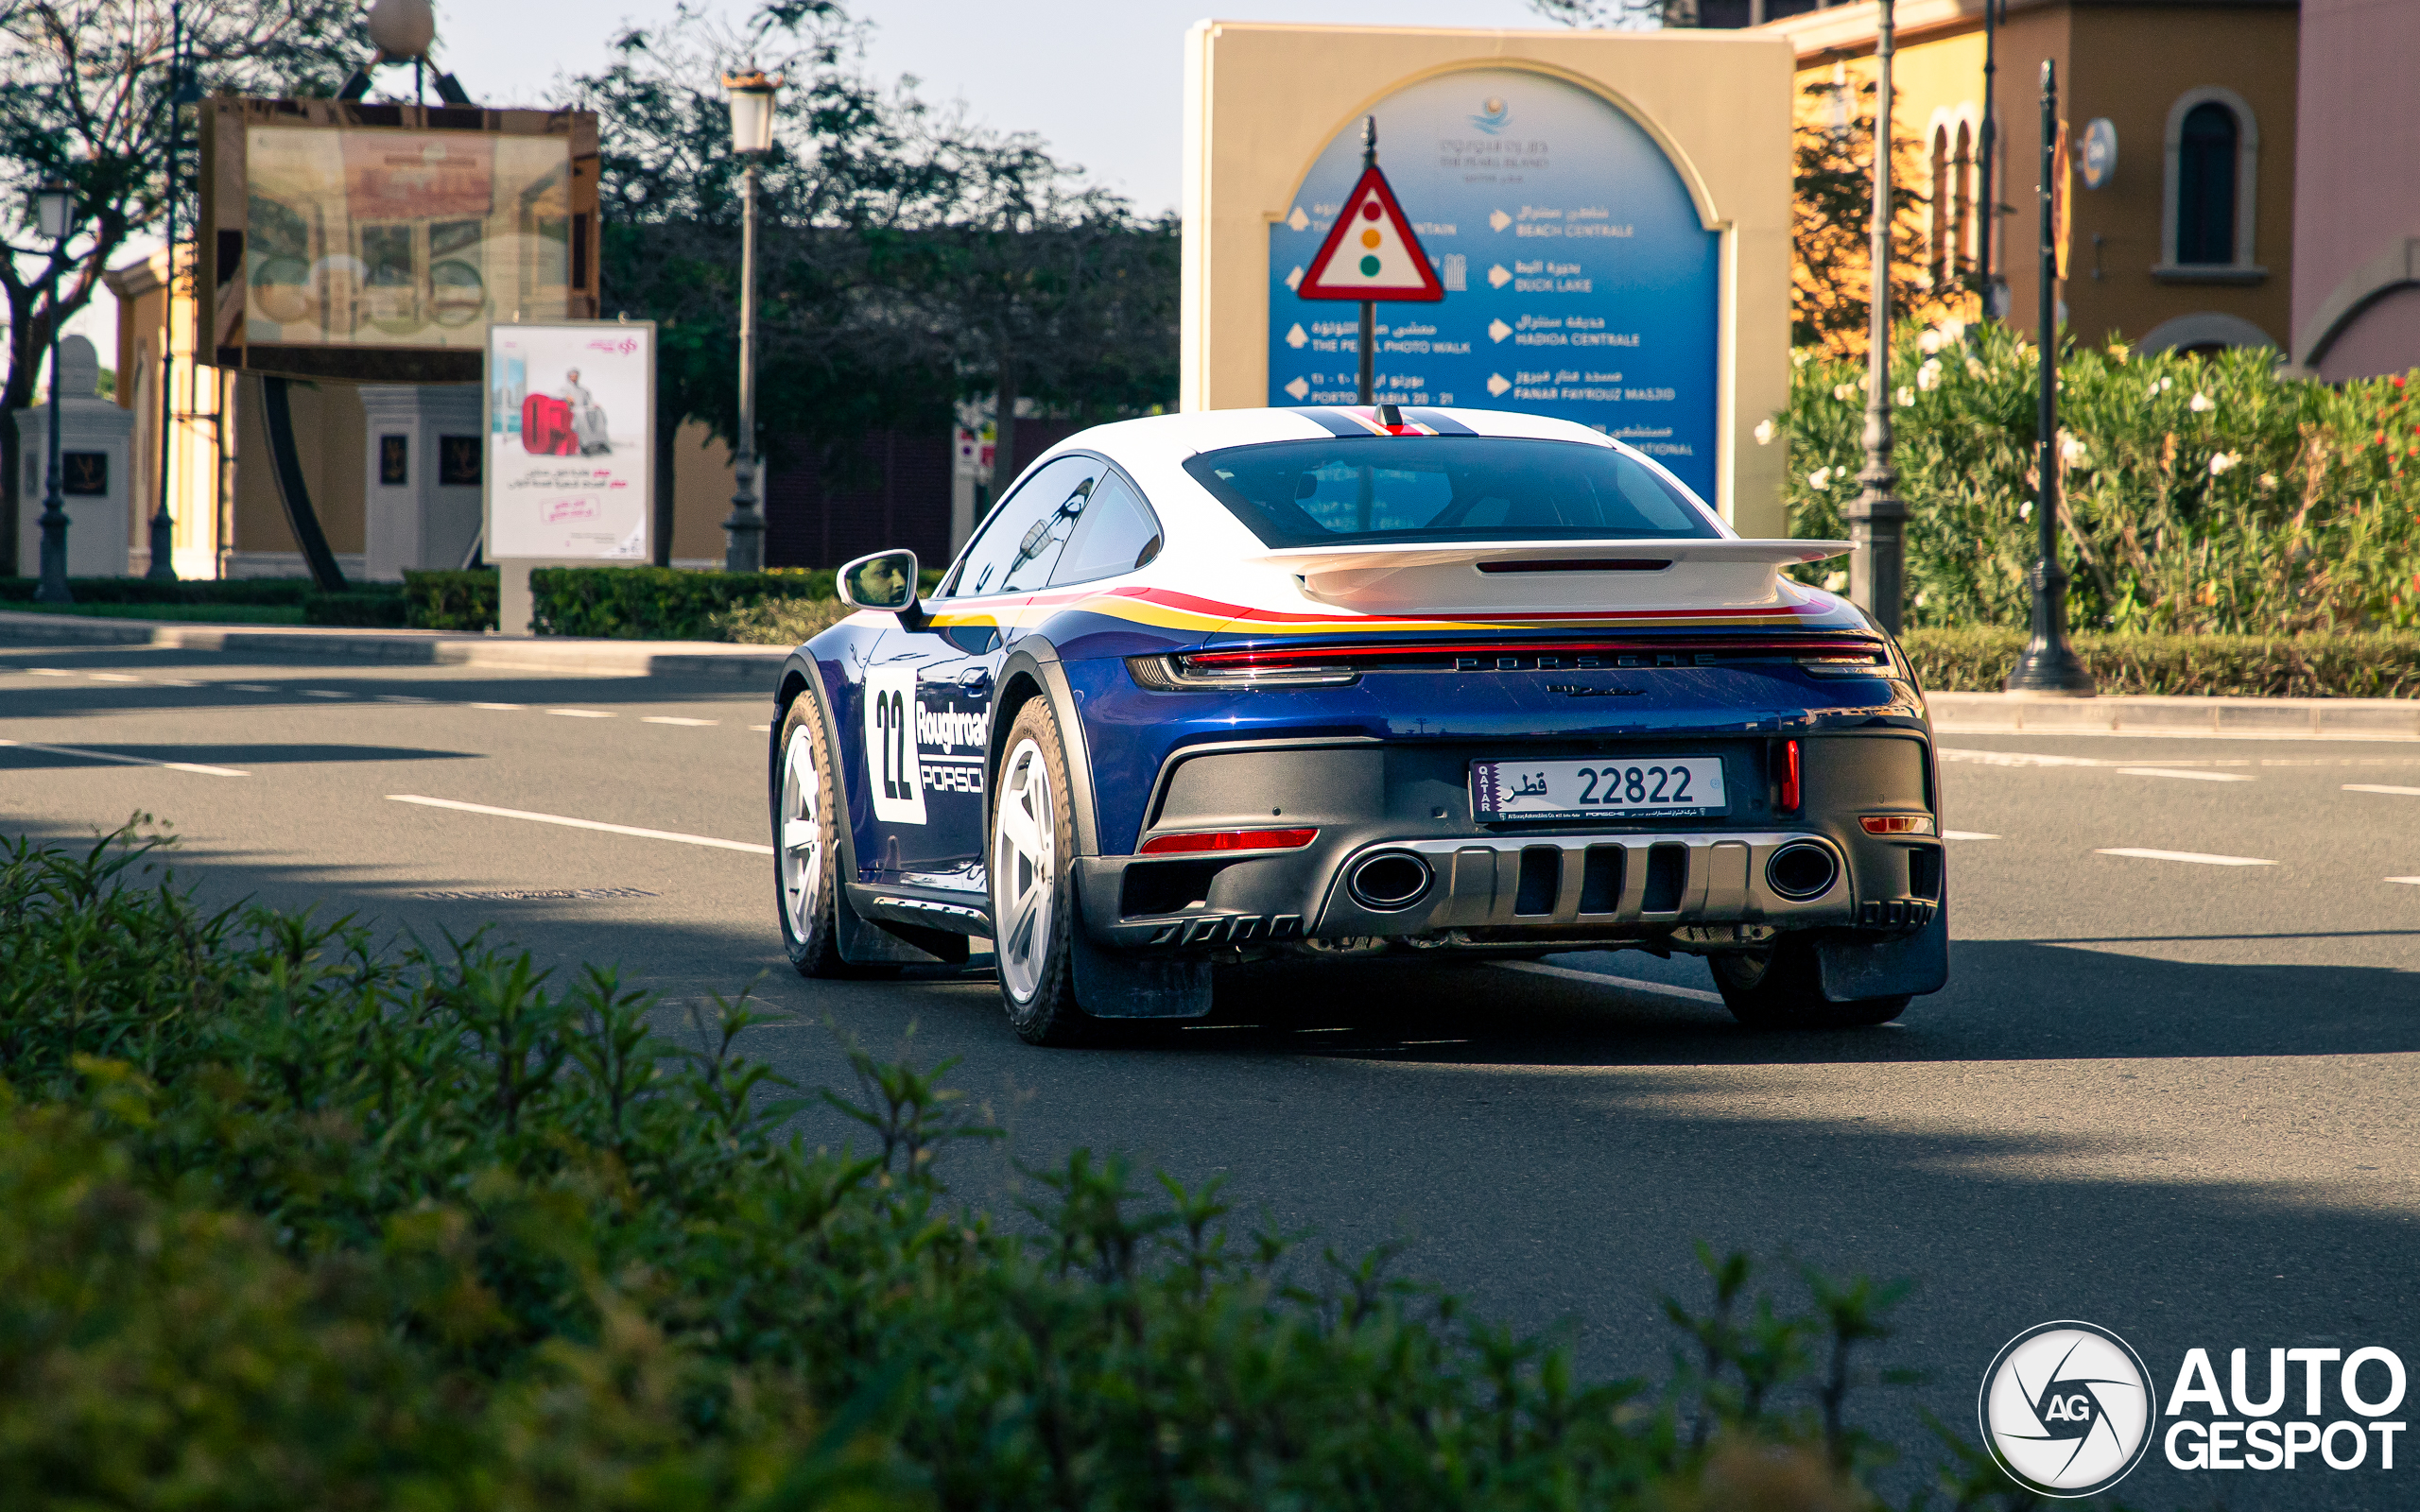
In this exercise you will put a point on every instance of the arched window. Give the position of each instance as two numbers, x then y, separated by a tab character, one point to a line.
2205	164
1937	258
1962	202
2213	176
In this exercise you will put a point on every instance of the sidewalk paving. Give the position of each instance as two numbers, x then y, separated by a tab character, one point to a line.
529	653
1952	712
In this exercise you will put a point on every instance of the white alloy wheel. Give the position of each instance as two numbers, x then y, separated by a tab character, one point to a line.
801	848
1025	870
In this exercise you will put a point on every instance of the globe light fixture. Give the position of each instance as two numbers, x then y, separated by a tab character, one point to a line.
54	202
751	94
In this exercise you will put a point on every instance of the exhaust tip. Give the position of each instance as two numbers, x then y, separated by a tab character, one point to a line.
1802	871
1387	881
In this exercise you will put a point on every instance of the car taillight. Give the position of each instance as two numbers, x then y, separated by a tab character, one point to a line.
1184	674
1209	840
1789	794
1897	823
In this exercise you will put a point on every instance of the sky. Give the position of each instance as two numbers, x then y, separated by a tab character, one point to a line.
1102	81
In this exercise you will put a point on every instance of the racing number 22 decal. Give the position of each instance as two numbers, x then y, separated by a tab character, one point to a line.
895	776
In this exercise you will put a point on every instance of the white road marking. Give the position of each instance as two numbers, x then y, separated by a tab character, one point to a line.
1967	835
50	672
495	706
742	846
581	714
673	719
2185	855
762	730
125	761
2170	771
1629	984
2026	758
402	697
324	693
2414	880
2372	787
113	677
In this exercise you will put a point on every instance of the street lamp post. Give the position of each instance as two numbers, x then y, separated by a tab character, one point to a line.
54	205
1877	520
751	94
2049	667
163	538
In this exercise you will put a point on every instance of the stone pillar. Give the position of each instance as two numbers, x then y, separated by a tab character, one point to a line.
96	467
421	487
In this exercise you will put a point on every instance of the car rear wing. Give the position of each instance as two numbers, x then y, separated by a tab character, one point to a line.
1515	575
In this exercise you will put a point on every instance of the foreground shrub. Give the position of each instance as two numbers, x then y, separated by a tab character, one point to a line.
655	603
2386	665
441	600
287	1220
2204	494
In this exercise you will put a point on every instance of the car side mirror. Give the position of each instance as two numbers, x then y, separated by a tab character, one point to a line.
883	580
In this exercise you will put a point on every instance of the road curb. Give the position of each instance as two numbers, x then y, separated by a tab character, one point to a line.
2147	714
524	653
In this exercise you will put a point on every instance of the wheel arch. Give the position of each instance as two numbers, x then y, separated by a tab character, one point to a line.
1033	671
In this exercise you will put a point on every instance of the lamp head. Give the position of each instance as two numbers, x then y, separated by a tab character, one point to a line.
751	93
54	209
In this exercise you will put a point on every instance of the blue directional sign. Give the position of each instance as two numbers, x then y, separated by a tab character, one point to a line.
1579	282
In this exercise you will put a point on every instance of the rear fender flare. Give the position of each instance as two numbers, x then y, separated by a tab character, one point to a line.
1033	671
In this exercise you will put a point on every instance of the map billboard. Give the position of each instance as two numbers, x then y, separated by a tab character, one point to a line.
1579	280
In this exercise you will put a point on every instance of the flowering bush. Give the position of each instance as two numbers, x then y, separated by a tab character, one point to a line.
2201	494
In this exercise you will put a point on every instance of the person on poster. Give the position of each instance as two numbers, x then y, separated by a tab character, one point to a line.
587	418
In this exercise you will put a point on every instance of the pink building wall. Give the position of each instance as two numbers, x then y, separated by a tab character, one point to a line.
2356	189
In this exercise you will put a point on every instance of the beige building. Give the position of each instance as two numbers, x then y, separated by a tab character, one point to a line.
2189	242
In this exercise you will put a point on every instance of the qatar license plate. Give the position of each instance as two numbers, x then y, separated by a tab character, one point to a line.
1687	787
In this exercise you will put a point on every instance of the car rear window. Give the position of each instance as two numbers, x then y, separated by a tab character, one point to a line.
1388	488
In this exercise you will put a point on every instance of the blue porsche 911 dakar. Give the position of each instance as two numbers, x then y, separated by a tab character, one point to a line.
1212	688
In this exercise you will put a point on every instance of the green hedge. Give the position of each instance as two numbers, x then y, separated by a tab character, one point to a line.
2384	665
362	608
294	591
452	600
655	603
286	1221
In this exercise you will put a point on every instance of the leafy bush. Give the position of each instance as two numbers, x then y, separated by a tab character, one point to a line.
446	600
2385	665
2202	494
377	609
287	1220
656	603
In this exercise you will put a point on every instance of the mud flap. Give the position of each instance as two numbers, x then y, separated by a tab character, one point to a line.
1887	969
1113	985
863	942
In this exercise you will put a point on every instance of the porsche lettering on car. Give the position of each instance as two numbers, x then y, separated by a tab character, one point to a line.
1211	688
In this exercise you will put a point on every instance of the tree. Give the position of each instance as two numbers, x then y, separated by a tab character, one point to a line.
84	93
1832	228
1618	15
832	357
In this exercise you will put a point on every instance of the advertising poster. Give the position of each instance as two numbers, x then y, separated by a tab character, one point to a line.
1579	281
570	424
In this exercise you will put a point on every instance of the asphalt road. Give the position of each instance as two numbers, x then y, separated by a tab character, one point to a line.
2162	1092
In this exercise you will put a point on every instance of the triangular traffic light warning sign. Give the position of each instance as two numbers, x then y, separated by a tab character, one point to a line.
1370	253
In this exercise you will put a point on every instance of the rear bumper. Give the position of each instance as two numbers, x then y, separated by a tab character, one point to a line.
1700	891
